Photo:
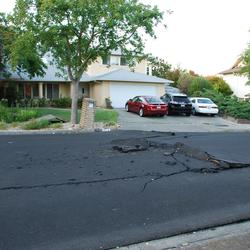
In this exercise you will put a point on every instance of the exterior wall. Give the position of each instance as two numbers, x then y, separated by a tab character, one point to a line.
86	90
98	92
160	89
101	90
64	90
98	68
238	85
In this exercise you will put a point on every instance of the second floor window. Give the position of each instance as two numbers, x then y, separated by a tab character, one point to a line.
124	61
106	60
115	60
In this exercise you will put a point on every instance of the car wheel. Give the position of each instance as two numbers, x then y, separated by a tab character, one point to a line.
194	111
126	108
141	112
187	114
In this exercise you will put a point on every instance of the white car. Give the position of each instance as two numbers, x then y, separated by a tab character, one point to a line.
202	105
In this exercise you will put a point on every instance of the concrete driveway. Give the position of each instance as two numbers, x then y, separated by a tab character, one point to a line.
178	123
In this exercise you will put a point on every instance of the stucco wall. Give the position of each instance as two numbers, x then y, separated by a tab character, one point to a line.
238	85
64	90
160	89
98	68
99	91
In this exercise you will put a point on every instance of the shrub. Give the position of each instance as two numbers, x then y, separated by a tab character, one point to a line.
4	102
199	84
10	115
25	115
108	103
56	125
3	126
34	124
220	85
7	114
64	102
184	81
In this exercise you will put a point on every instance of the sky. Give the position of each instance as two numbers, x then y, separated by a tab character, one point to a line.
206	36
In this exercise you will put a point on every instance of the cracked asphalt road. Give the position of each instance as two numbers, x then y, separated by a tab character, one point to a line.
102	190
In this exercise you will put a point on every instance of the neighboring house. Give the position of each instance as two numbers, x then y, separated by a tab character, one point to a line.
108	77
237	83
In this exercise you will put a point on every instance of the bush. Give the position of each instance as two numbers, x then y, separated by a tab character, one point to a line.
56	125
4	102
10	115
3	126
228	105
108	103
199	84
184	81
25	115
220	85
34	124
64	102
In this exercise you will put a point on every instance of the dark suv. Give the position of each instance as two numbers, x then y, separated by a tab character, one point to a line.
177	103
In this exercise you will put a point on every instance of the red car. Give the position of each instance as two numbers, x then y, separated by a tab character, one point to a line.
146	105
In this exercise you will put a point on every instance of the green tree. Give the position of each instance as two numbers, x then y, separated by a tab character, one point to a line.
198	85
77	32
246	61
160	67
184	81
220	85
163	69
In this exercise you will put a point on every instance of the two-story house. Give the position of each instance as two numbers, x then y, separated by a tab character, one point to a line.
237	83
108	77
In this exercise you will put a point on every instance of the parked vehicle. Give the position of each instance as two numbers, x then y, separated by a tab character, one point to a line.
146	105
177	103
202	105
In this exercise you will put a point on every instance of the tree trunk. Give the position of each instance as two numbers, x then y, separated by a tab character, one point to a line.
74	106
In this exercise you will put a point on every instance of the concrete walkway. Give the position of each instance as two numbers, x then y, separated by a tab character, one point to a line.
131	121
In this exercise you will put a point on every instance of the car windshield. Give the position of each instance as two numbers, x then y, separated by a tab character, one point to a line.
153	100
181	99
206	101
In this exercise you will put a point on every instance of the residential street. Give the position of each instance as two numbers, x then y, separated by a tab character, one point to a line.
103	190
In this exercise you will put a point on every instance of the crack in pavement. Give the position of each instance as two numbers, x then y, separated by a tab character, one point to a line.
143	144
78	182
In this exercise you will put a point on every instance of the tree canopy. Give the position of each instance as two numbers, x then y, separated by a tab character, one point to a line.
246	61
77	32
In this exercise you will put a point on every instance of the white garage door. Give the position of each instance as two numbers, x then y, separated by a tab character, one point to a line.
121	92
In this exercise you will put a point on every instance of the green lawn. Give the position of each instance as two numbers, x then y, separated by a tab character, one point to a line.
107	116
60	113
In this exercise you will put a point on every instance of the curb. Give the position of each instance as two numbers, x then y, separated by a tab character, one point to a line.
194	239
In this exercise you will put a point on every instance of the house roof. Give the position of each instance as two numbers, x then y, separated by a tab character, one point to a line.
122	75
234	69
50	76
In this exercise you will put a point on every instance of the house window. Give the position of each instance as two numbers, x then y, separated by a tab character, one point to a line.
83	91
21	90
124	61
35	89
106	60
115	60
55	91
52	91
49	91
